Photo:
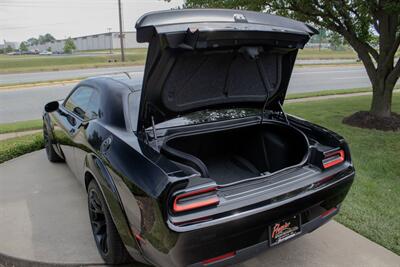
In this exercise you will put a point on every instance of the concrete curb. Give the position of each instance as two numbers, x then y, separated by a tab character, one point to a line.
41	84
333	96
9	261
6	136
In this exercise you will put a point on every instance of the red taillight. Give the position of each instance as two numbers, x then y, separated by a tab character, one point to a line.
328	212
219	258
196	199
333	158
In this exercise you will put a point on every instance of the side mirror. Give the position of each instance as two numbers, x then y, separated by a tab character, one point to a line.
51	106
84	124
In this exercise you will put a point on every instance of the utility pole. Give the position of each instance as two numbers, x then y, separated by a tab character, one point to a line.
121	33
111	42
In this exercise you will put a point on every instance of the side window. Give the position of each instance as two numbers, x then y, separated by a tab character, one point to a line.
84	102
93	107
134	103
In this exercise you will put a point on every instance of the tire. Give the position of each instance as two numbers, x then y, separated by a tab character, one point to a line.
52	155
105	234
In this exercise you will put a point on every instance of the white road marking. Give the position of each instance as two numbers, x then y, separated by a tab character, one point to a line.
350	77
328	71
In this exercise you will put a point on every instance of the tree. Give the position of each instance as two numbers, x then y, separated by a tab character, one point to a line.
47	38
23	47
32	41
357	21
49	49
9	49
335	40
69	46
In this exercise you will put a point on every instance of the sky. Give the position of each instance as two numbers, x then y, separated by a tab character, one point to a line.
22	19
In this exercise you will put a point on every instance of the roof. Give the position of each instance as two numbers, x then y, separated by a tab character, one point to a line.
132	81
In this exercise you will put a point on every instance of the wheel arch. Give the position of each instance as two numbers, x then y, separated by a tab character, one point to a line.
96	171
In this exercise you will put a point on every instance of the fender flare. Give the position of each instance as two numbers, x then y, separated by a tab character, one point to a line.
98	172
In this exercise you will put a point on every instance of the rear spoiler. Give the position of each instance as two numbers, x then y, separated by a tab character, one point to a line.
205	28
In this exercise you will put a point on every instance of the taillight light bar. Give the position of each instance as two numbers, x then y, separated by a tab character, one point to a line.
328	212
219	258
333	158
196	199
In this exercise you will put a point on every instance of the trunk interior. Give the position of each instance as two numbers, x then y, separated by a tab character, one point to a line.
229	156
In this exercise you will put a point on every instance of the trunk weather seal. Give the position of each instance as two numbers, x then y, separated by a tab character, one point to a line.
194	132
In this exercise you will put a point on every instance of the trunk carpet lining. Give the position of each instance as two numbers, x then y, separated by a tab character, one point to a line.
227	170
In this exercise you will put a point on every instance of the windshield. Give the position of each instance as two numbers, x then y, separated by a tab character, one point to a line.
206	116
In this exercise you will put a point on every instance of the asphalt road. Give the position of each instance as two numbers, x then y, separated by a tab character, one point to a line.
71	74
30	77
27	104
33	222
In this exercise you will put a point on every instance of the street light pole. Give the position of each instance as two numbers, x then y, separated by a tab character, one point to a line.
121	34
111	42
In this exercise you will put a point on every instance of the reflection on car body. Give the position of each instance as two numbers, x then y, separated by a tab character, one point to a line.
198	164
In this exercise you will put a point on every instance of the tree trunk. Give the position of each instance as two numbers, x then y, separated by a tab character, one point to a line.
382	100
382	87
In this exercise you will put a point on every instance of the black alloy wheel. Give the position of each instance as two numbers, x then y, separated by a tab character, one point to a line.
106	236
98	221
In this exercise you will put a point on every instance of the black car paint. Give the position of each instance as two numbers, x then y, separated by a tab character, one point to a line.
137	183
138	196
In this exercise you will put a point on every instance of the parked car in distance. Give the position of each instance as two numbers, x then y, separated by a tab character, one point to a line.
28	52
46	53
14	53
198	164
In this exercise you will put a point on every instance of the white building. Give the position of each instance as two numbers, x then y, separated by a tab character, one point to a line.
102	41
13	45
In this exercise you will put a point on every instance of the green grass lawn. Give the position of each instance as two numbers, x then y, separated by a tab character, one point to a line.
15	147
21	126
315	53
26	63
372	207
134	56
328	92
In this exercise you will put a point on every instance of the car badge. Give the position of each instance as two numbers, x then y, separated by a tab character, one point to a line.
239	18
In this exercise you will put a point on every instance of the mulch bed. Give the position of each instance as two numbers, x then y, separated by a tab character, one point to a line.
363	119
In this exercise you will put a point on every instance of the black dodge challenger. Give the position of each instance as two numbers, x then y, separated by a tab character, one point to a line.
197	164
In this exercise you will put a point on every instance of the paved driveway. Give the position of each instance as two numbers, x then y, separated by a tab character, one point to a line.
43	218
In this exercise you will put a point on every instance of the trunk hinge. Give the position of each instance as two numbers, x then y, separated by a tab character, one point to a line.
283	113
267	86
153	126
253	53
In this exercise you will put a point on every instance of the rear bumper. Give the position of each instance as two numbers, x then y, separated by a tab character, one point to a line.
249	235
249	252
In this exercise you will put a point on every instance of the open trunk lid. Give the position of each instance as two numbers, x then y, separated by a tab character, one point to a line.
212	58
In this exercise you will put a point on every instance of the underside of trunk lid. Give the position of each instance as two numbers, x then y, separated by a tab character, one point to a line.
200	59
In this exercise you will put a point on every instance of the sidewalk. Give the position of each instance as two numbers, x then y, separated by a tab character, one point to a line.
43	218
